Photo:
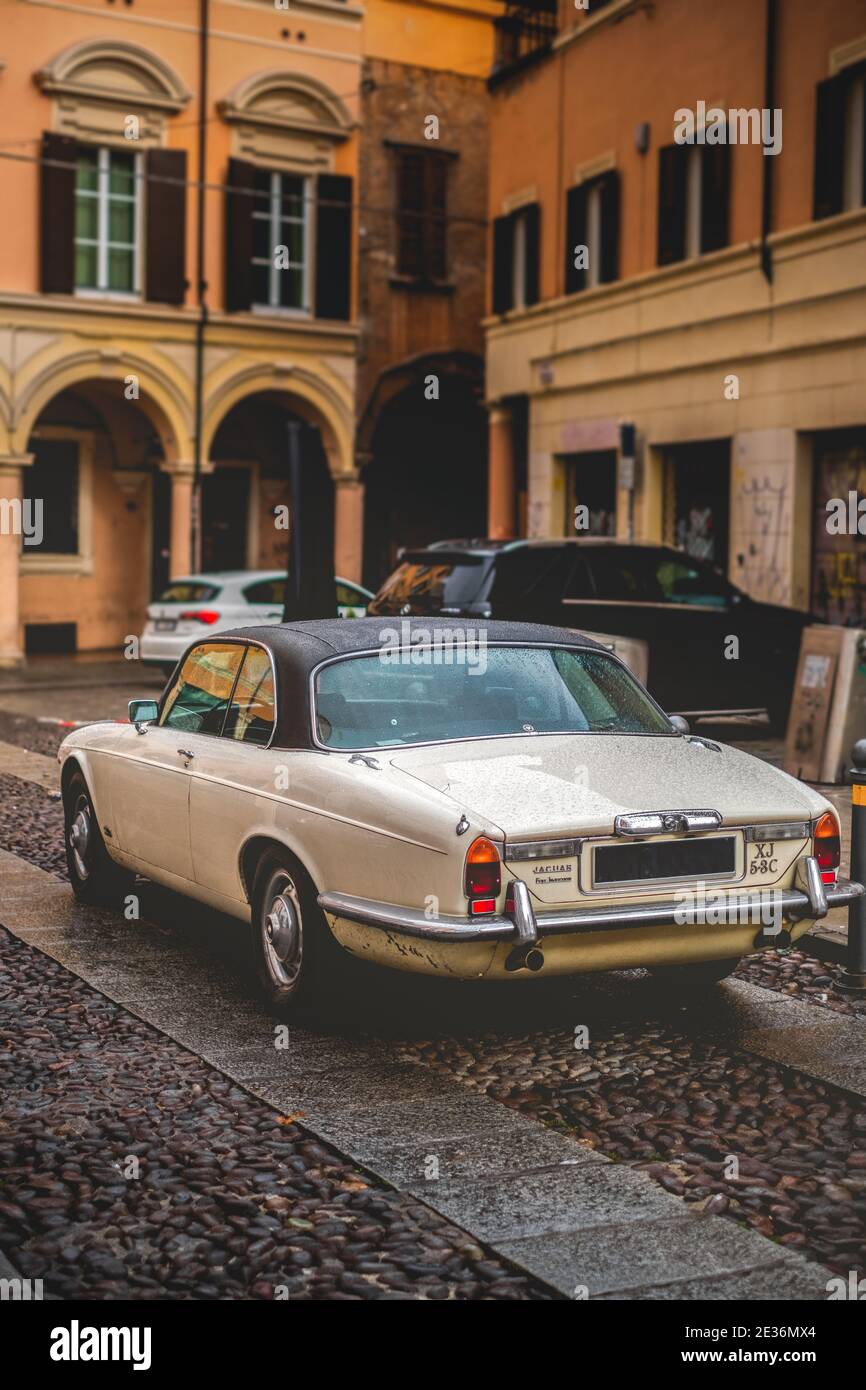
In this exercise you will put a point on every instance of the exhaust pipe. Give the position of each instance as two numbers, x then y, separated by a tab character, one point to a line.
525	958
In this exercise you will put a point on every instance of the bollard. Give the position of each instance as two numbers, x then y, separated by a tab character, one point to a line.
854	974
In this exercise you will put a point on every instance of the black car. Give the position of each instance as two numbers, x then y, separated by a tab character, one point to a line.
685	609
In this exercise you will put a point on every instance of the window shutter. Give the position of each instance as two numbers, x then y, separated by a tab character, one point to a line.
503	263
239	235
165	223
609	188
575	235
715	196
410	214
334	246
672	203
829	146
532	216
57	214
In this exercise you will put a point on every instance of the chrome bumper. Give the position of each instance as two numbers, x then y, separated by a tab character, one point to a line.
811	901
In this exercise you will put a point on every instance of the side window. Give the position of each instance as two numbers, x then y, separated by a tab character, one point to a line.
266	591
528	577
251	716
199	698
689	584
624	577
578	584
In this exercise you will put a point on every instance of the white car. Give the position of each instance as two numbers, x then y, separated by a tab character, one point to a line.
196	604
497	801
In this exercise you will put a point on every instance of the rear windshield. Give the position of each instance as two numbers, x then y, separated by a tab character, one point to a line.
431	584
188	591
435	696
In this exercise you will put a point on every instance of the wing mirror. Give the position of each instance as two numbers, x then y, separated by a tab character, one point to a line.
680	724
143	712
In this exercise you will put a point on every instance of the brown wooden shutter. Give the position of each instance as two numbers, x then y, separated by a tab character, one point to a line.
334	246
165	226
57	214
575	235
715	196
829	146
532	215
436	223
672	203
239	235
608	184
410	213
503	264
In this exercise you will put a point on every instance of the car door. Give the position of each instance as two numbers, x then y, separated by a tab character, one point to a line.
150	773
235	778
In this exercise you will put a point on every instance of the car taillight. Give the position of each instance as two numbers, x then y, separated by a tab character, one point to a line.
483	876
827	846
199	615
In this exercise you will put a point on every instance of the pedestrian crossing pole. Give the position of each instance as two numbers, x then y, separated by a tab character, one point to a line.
854	974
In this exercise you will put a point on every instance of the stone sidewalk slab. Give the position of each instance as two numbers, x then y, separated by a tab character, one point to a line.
29	767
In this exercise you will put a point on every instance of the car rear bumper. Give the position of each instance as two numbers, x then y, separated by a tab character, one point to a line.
523	927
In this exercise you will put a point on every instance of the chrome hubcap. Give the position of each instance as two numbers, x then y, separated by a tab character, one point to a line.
283	932
79	838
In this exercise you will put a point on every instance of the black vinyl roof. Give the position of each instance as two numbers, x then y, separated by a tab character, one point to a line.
297	648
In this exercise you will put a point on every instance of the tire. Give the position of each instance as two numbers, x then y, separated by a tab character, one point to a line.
296	959
701	975
94	876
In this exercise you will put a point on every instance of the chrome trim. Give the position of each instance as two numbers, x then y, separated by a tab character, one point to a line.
524	918
477	738
648	823
407	921
778	830
539	849
808	876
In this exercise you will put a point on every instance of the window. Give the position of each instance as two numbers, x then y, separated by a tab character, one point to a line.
198	700
692	585
623	577
840	143
592	221
51	486
267	590
251	715
516	259
364	702
106	221
188	591
694	195
281	241
422	177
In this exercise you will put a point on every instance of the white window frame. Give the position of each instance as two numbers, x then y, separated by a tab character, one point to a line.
81	564
103	199
276	219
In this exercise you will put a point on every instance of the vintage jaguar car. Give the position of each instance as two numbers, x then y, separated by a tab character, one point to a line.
496	801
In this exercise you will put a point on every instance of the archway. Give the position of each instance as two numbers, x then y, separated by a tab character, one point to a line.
426	474
246	496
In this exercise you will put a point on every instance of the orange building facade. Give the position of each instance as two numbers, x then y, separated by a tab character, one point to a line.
708	294
177	282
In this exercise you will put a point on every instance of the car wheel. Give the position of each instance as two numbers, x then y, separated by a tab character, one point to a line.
699	975
94	876
296	958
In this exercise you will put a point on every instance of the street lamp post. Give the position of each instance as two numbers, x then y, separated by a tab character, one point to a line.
854	975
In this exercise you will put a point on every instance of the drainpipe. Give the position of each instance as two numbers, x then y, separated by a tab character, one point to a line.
769	160
201	283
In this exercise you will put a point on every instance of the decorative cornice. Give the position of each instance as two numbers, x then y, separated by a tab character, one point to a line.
66	75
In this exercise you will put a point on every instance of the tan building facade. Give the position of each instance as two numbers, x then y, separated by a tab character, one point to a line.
709	294
177	284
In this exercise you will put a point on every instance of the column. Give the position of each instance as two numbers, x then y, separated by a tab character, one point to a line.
348	526
500	475
180	558
11	515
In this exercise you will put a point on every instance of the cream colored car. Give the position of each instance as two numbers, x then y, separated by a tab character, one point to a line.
491	801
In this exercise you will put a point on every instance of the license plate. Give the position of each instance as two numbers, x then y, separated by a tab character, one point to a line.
666	859
165	624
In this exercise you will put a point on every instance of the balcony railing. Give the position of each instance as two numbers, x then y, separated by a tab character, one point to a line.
523	33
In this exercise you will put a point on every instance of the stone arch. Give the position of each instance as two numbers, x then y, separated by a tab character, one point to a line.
311	397
289	101
159	397
114	70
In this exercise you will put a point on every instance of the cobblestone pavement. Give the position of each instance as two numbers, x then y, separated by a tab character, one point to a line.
722	1130
130	1169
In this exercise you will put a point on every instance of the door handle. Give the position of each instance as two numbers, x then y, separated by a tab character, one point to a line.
185	753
